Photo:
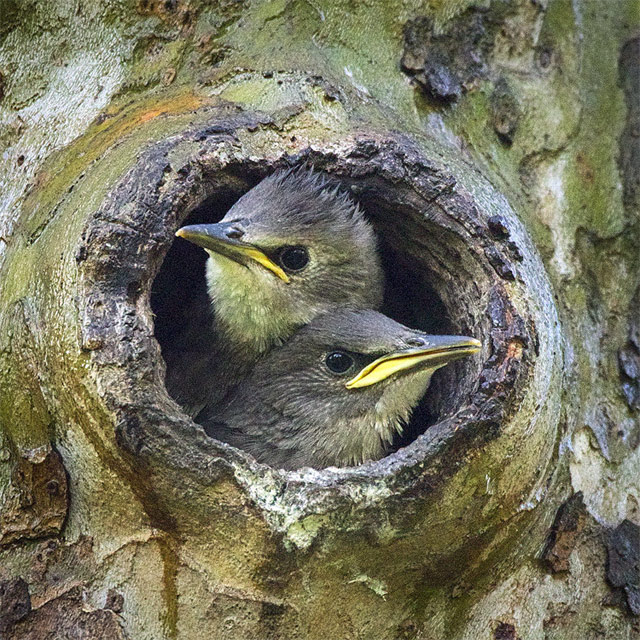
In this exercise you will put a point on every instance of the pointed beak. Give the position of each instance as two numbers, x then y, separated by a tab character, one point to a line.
225	239
439	351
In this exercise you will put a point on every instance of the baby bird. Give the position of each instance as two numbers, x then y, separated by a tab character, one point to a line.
336	393
291	248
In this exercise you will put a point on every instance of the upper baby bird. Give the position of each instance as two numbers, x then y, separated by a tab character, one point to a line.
336	393
291	248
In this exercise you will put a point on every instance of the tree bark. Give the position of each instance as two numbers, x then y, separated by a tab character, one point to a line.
496	149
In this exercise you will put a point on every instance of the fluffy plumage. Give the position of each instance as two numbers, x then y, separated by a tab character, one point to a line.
253	309
293	411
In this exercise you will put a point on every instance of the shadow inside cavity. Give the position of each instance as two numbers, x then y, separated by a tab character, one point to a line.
179	298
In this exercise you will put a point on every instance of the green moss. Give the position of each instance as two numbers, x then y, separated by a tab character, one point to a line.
155	60
359	54
594	182
39	259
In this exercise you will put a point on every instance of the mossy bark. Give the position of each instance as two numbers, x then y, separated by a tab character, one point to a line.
505	131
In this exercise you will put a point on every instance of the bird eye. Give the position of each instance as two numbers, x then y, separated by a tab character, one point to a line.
293	258
338	362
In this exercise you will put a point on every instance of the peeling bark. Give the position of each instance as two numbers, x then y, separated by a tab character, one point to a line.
67	616
623	562
566	529
35	501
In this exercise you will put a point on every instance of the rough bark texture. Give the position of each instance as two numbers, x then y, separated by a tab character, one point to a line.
495	147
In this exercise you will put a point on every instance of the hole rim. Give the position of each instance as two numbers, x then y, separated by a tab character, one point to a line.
139	234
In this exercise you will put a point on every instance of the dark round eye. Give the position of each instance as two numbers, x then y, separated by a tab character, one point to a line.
339	362
294	258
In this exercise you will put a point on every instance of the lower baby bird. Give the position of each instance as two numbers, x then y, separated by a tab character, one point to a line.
291	248
336	393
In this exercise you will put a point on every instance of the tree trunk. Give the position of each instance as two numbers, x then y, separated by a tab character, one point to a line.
495	147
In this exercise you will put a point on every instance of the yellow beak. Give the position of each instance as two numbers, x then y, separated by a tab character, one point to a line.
441	351
221	238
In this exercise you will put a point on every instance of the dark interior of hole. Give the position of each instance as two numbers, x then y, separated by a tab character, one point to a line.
179	298
181	305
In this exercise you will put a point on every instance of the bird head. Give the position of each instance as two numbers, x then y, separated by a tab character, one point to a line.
291	248
345	384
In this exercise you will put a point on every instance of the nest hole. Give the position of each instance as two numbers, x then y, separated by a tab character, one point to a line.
426	287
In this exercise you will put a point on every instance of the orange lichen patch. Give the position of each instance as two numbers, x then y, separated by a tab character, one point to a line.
124	119
514	349
63	168
150	115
